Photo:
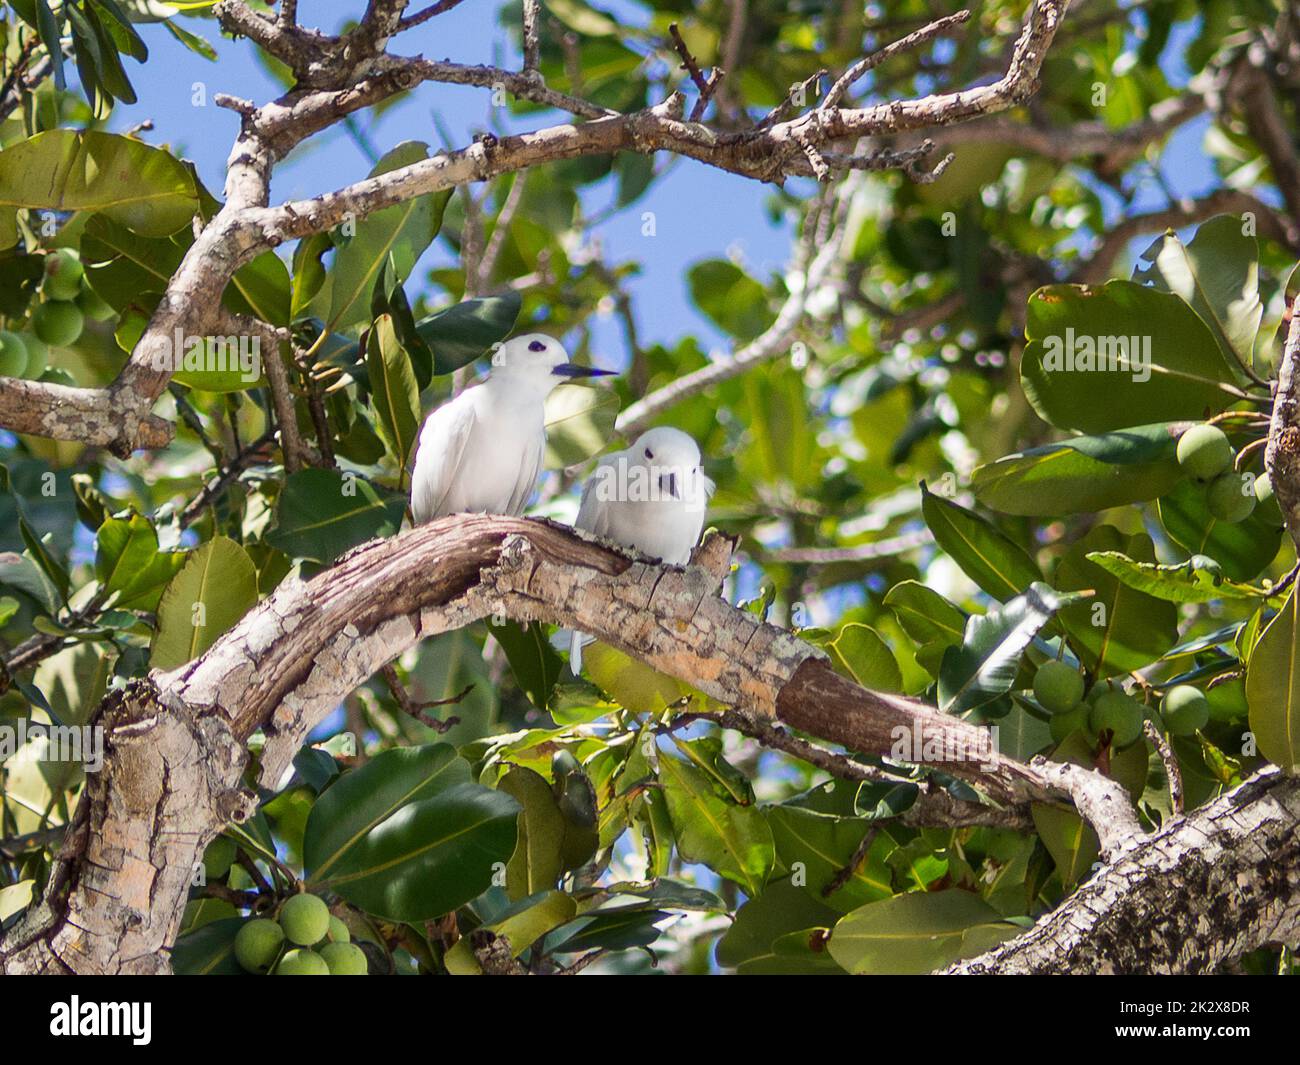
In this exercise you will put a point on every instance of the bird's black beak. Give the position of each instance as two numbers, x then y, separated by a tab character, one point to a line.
568	369
668	482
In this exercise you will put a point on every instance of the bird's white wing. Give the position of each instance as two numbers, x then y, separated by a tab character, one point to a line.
592	514
439	454
530	468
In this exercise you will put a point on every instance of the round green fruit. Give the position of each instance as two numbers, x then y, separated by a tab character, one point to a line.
1057	687
1103	687
338	932
1070	722
13	354
1204	451
1266	501
218	858
38	356
1231	497
344	959
257	943
302	963
58	323
63	274
1120	715
92	306
1185	709
305	919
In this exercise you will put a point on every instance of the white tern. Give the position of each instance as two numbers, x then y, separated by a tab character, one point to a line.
482	452
650	497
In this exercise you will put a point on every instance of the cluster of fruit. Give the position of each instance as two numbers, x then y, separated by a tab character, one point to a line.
1109	713
305	940
1205	452
58	320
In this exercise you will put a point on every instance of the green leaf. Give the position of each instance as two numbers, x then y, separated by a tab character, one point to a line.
128	562
779	914
431	856
733	300
1243	549
322	513
532	659
992	560
523	925
860	652
1198	580
1082	475
465	331
985	665
917	933
825	846
214	589
209	950
396	236
393	391
145	189
925	615
1072	844
1188	374
1273	687
734	841
1119	629
1218	275
579	424
364	798
74	680
537	862
15	897
50	32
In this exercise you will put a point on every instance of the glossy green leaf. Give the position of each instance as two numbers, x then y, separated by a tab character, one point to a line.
430	856
734	841
465	331
991	559
1273	687
824	846
1119	629
214	589
145	189
365	797
750	945
917	933
1243	550
1198	580
537	863
1186	378
128	562
1083	474
985	665
532	659
860	652
394	391
322	513
1217	273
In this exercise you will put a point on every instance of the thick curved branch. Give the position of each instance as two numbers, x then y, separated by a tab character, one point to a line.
175	744
1204	890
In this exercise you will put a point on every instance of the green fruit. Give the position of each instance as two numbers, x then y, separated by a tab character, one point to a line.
1231	497
92	306
344	959
1269	509
1070	722
1102	687
63	274
13	354
1057	687
1204	451
218	858
1185	709
302	963
58	323
338	932
305	919
257	943
38	356
1120	715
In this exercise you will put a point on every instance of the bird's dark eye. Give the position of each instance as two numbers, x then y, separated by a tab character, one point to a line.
536	345
649	454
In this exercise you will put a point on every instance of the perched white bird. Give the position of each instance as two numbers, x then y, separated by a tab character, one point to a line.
482	452
650	497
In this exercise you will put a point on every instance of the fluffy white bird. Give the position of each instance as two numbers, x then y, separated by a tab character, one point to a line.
482	452
650	497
